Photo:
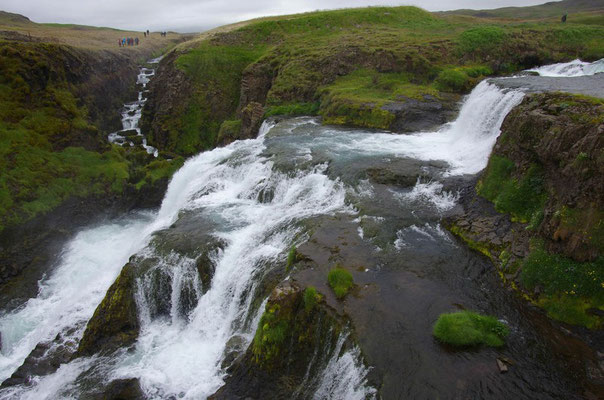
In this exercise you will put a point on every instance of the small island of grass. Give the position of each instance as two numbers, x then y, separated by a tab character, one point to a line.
466	328
340	280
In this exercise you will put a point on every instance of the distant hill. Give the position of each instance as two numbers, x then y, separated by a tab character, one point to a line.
8	19
547	10
18	28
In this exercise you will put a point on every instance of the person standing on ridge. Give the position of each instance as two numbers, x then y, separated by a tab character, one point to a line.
564	18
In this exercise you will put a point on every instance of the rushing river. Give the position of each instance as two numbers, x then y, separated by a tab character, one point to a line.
242	207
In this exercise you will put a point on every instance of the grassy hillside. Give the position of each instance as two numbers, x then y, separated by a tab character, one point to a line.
20	28
61	88
578	11
347	65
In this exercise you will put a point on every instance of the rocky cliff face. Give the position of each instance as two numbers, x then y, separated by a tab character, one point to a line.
538	208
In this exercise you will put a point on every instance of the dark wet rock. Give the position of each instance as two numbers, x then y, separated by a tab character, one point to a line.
234	347
128	133
121	389
206	268
403	172
115	322
137	140
412	115
190	236
252	116
276	368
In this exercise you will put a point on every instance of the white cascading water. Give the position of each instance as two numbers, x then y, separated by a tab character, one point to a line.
344	376
131	113
181	356
464	144
570	69
68	297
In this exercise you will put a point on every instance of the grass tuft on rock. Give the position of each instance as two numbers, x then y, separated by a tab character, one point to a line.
340	280
466	328
291	258
311	298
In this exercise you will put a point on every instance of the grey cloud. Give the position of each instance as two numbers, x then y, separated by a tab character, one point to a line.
197	15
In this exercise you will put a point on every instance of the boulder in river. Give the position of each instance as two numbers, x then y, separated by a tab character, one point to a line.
115	321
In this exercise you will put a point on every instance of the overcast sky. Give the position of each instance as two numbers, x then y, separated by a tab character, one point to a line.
198	15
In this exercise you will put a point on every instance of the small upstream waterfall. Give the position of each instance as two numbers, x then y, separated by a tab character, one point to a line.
131	135
570	69
250	198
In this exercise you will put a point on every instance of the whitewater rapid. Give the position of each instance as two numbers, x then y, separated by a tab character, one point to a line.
571	69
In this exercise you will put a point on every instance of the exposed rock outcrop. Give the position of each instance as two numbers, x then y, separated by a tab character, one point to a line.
292	343
115	321
541	198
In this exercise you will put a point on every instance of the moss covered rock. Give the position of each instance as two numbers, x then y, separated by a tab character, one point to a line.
296	335
115	322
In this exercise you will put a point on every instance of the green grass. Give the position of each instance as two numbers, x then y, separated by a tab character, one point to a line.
340	281
291	258
556	274
212	69
40	121
296	109
229	130
311	298
466	328
50	148
351	62
569	288
521	197
480	40
159	169
271	332
571	310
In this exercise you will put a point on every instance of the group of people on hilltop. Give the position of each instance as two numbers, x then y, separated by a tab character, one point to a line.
123	42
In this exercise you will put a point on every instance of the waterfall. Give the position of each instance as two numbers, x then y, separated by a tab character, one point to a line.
182	358
255	210
464	144
570	69
344	376
68	297
132	112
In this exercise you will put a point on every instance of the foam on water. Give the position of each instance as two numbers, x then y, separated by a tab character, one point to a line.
430	192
